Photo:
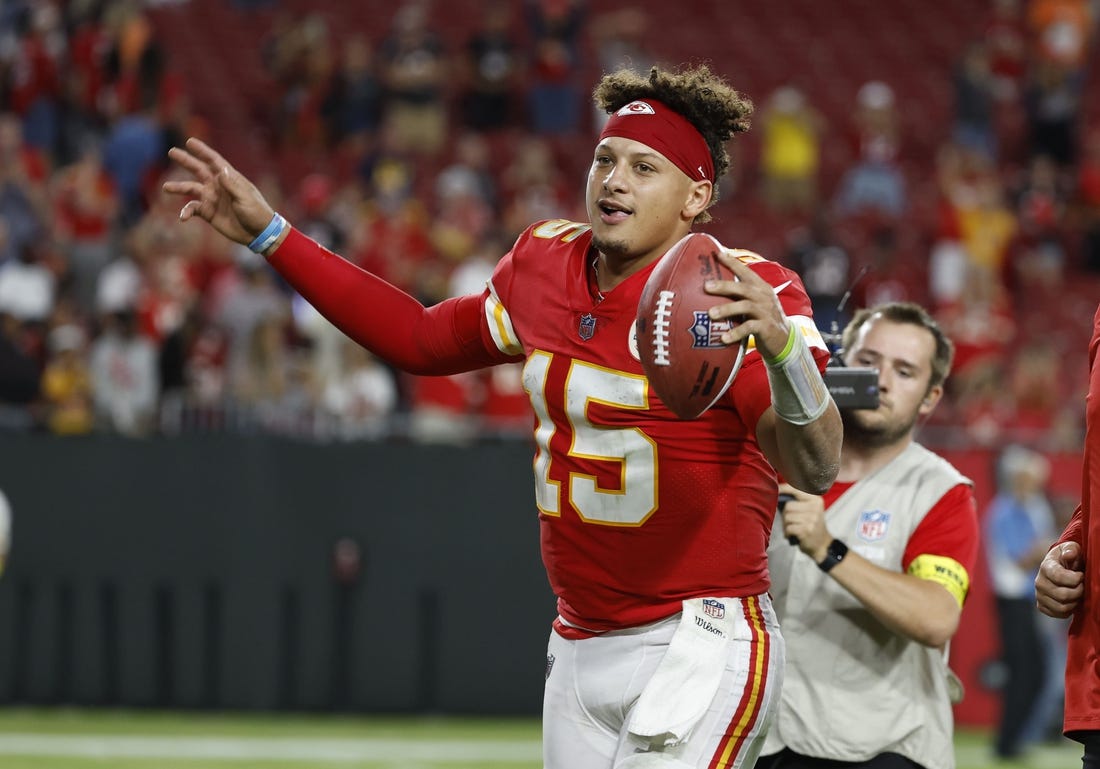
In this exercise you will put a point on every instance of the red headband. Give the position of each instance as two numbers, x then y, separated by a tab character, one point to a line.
670	133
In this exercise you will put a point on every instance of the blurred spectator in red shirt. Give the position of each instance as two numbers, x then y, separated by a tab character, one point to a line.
554	82
86	208
24	172
30	66
874	182
392	239
1006	37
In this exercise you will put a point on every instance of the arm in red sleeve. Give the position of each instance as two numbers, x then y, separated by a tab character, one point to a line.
446	338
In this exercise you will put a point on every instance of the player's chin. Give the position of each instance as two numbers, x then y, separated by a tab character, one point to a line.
606	243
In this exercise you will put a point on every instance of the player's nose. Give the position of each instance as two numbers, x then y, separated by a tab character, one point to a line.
614	179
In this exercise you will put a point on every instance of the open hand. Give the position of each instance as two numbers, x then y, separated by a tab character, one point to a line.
219	193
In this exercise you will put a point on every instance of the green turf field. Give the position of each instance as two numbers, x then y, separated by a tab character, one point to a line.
86	739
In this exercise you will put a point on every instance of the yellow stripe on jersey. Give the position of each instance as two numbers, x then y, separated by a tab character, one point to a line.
943	571
500	324
745	256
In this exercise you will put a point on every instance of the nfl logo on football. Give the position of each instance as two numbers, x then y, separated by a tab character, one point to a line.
872	525
713	608
707	332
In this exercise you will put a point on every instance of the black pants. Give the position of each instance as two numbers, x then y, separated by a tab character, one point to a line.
1091	741
1022	652
788	759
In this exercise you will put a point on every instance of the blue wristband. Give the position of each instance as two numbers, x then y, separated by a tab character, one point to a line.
270	234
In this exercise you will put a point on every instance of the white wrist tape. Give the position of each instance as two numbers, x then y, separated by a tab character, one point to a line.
799	394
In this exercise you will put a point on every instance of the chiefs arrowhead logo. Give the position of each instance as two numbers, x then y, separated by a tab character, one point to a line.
636	108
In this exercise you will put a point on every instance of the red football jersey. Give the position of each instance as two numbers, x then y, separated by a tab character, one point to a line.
639	509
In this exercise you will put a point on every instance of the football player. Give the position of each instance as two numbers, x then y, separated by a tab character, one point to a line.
665	651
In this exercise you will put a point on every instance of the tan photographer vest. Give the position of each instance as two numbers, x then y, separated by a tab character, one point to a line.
853	688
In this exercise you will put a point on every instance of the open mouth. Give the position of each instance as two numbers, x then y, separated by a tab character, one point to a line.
612	210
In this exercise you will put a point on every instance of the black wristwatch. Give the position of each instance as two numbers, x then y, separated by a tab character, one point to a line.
834	555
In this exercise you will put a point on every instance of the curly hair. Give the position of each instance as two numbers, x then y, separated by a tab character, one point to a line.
705	99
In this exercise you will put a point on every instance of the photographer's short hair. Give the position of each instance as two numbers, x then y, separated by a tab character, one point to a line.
912	314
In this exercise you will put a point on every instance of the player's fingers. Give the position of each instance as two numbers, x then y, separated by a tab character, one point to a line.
208	155
1059	576
190	209
1053	608
1058	599
181	187
731	257
189	162
736	308
1069	555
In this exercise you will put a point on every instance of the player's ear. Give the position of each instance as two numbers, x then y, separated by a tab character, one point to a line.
698	198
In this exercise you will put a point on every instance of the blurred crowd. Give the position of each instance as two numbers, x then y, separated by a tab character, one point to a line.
420	156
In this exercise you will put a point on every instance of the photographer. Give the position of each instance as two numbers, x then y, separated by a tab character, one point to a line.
869	580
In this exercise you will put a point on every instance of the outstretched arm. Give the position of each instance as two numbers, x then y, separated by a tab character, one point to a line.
443	339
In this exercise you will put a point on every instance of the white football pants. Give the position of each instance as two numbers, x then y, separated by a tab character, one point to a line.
593	684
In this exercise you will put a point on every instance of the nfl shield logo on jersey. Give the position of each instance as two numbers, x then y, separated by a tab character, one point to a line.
713	608
872	525
587	326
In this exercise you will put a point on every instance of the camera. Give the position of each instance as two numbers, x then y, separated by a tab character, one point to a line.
852	387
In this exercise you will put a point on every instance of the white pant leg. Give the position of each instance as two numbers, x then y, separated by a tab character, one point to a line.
592	684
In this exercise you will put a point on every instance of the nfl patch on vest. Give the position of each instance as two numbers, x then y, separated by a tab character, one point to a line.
872	525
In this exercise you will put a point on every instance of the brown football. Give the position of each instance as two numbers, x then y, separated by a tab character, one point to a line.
680	347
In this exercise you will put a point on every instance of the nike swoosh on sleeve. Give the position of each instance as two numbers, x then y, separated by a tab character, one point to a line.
780	287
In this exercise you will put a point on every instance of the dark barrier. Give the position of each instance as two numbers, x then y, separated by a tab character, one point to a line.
221	572
230	572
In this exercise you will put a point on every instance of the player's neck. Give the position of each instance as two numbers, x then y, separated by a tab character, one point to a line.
610	271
